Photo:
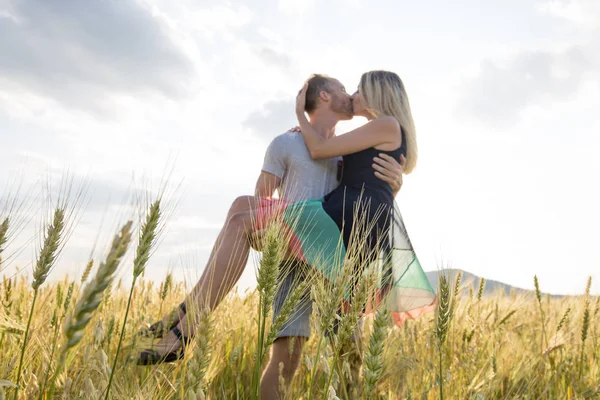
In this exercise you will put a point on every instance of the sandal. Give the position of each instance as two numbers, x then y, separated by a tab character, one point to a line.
157	330
152	357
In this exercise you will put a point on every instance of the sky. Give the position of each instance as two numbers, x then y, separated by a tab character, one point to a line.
122	96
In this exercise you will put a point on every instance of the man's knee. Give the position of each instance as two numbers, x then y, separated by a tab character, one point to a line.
240	205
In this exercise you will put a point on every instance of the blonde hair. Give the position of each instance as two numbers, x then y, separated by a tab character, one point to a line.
383	93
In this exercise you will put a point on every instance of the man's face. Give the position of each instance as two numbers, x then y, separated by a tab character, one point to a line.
341	101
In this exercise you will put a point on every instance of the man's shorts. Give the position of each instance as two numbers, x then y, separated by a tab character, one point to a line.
298	324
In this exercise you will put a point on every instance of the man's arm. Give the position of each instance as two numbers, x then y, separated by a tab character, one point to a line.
389	170
266	184
273	169
271	175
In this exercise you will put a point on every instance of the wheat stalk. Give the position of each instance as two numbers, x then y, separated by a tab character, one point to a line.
59	296
92	296
348	323
443	319
44	263
359	300
481	287
65	306
3	237
457	282
201	357
266	283
49	250
373	364
147	239
563	320
444	310
328	296
507	317
584	334
585	325
7	325
538	295
163	291
7	297
6	302
166	286
286	310
86	271
588	287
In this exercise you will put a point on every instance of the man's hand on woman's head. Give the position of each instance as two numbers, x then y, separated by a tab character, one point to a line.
389	170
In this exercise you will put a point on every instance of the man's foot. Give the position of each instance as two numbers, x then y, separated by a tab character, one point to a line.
170	348
170	321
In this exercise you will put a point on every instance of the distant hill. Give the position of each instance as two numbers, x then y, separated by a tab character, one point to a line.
491	286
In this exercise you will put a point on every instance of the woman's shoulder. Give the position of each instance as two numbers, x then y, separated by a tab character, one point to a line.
387	121
388	128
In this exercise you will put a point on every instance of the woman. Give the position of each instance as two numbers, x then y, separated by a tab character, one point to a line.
360	211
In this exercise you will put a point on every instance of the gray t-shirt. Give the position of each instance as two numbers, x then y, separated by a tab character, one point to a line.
302	178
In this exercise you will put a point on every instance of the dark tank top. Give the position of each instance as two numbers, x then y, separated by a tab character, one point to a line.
359	184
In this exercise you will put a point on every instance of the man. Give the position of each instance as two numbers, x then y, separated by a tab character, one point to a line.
289	169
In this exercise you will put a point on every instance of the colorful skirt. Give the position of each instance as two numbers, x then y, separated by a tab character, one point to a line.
315	238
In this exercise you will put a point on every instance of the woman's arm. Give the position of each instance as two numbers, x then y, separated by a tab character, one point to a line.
375	133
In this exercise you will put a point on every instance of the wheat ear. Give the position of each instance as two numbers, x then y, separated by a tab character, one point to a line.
43	265
92	296
443	318
147	239
374	356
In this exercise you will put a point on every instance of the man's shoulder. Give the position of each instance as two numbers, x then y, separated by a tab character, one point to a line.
289	136
287	139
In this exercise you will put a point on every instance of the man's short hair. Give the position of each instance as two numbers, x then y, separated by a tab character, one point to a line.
316	84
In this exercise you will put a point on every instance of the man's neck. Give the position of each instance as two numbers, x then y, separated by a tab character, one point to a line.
324	123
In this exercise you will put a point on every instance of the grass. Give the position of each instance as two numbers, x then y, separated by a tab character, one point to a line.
77	338
400	363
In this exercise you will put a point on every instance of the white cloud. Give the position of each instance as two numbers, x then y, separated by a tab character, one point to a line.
270	35
275	117
504	89
220	20
585	13
81	54
296	7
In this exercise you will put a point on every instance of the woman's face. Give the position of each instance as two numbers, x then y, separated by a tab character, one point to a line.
358	107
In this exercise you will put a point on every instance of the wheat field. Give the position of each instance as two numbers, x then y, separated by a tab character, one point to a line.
78	338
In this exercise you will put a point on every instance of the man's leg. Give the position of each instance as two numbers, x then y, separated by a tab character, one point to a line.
230	233
280	354
287	348
228	257
225	266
